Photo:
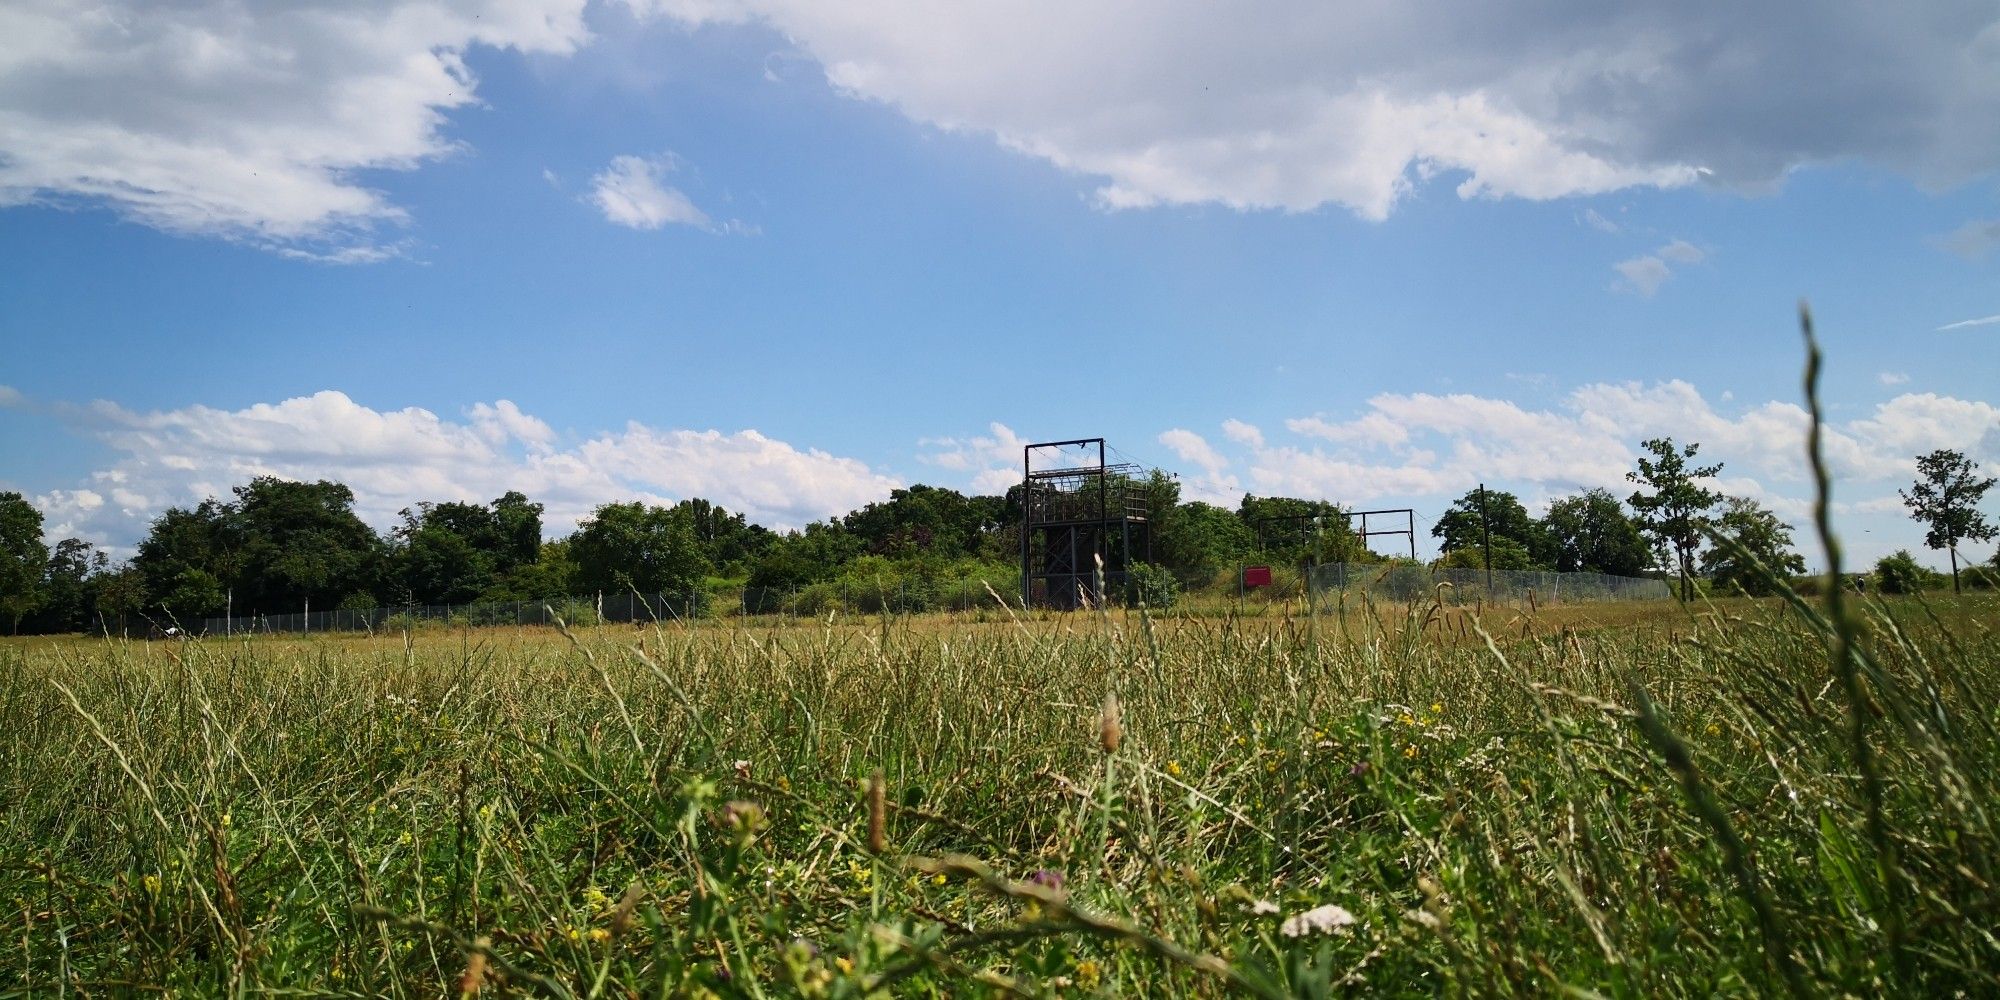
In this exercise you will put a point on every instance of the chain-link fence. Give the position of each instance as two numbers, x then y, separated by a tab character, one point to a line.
1406	582
627	607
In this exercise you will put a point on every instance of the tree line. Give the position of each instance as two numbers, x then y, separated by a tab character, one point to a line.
279	546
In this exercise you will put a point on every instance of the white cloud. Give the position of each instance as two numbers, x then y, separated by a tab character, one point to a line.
629	193
1297	105
1215	485
248	122
393	458
1962	324
1645	274
1682	252
1596	221
1892	378
994	460
1243	433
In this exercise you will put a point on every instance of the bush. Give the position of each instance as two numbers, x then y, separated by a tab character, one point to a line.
1152	586
1900	573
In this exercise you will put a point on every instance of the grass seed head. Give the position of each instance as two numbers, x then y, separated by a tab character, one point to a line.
878	809
1110	729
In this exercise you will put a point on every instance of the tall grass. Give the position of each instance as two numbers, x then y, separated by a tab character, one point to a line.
337	817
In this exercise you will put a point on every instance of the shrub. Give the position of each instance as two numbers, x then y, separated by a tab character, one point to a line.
1900	573
1151	585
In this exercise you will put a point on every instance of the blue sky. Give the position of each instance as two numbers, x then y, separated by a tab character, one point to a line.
788	257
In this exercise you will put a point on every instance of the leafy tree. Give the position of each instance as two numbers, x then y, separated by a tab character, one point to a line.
801	558
1946	499
634	546
184	559
1198	542
69	587
729	541
300	544
551	576
1763	537
1462	527
926	519
1677	507
22	557
1589	533
120	594
1291	530
435	564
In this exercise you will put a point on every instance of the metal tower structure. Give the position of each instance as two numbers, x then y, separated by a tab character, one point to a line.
1076	514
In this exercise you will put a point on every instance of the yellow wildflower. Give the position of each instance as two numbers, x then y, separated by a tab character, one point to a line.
1174	768
1087	973
600	934
846	964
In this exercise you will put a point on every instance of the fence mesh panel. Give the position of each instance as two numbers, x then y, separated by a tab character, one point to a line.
1404	582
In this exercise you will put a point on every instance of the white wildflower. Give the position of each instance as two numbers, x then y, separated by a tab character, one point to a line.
1328	919
1263	907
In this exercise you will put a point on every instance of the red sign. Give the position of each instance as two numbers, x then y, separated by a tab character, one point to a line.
1256	576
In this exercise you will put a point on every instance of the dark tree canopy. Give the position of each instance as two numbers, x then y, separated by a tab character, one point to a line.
1462	528
637	547
22	556
1590	533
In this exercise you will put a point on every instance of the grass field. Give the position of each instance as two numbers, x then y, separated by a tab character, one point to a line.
1616	800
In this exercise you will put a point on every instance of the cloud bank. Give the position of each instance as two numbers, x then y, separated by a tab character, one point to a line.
394	458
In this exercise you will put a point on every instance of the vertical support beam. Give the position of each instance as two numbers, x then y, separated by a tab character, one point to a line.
1027	507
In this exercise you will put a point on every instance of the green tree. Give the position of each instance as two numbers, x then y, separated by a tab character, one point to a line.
1292	530
1677	507
1946	499
1589	533
633	546
120	594
300	544
1198	542
1763	537
927	520
184	560
23	555
69	587
1465	524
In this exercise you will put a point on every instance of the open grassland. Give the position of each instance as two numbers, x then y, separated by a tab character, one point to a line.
1621	800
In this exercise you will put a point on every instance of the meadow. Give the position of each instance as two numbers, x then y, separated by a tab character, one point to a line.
1615	800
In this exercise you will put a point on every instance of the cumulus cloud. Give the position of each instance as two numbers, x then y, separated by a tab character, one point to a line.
1243	433
1215	484
1298	105
1892	378
394	458
629	193
249	122
989	463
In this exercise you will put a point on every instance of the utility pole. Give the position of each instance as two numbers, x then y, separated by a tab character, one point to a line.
1486	530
